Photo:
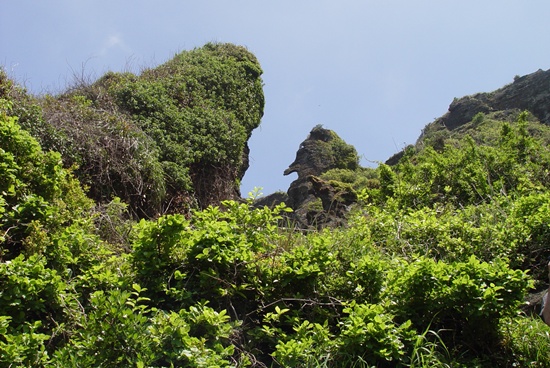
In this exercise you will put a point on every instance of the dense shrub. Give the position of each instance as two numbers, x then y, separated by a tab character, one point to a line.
428	270
359	178
319	302
467	299
111	155
200	108
31	292
38	198
197	337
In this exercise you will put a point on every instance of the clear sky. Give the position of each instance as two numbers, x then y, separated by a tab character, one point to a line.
376	72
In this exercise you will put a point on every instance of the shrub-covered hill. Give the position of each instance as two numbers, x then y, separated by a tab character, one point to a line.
430	268
480	115
169	139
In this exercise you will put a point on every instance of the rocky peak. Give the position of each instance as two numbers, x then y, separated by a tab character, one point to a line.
315	154
316	202
530	92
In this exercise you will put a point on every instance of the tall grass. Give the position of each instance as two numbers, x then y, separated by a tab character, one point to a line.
528	339
429	350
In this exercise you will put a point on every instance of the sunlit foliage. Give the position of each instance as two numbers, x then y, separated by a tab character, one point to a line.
430	269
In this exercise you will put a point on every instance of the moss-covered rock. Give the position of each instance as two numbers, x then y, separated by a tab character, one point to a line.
319	202
323	150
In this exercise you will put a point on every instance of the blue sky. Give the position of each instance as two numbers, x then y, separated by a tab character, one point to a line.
376	72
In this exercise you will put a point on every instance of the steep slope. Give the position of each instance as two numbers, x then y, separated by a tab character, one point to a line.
528	93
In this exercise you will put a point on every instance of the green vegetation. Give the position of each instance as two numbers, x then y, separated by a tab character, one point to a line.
326	149
155	140
430	270
200	108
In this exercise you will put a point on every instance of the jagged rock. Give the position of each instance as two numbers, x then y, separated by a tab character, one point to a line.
315	154
316	202
530	92
271	200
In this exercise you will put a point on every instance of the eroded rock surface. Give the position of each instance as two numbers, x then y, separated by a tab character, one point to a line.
530	92
317	202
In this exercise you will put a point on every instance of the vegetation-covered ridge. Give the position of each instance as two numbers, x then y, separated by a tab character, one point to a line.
430	268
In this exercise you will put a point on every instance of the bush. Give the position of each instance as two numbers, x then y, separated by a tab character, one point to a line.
526	342
465	173
212	256
368	332
31	292
467	300
113	157
35	304
38	198
121	330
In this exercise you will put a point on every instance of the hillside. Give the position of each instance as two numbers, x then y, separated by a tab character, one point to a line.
480	117
122	244
480	114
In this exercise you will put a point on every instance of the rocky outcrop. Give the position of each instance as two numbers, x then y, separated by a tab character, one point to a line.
315	154
167	140
317	202
530	92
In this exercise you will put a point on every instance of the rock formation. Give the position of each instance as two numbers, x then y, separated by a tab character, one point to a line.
527	93
530	92
167	140
317	202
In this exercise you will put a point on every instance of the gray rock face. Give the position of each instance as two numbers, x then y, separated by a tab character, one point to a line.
314	201
530	92
314	156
